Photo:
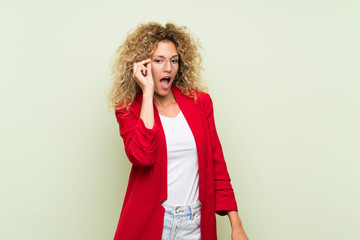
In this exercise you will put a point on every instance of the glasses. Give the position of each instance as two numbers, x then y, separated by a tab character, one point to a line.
160	62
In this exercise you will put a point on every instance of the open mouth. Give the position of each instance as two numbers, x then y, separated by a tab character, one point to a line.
165	82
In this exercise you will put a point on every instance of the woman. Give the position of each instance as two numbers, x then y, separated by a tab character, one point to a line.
179	178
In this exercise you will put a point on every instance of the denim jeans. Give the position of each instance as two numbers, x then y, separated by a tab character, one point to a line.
181	222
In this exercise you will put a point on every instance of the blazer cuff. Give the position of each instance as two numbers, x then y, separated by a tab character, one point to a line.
225	201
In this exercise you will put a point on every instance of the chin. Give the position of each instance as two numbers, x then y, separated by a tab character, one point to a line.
163	93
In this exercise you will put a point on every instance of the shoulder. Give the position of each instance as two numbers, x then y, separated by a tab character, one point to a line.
129	107
194	95
204	99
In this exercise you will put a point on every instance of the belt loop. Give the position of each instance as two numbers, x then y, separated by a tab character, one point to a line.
192	213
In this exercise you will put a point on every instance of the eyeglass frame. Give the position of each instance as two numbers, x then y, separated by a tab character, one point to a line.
167	60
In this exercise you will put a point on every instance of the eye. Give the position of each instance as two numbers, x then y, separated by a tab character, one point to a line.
175	60
158	60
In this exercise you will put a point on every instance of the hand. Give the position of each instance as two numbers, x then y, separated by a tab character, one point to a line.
143	76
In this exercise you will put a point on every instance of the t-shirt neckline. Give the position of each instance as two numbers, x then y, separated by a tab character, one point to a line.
171	118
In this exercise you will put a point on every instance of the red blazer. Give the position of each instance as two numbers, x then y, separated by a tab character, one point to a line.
142	214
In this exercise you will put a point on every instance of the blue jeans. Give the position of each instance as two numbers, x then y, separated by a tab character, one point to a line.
181	222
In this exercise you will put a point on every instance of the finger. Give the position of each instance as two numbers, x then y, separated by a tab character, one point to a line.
135	68
145	61
140	71
138	68
142	63
143	70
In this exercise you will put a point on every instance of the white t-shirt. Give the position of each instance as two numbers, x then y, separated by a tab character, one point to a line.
182	161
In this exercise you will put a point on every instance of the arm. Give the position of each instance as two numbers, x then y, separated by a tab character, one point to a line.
225	198
139	141
238	232
147	109
224	194
139	134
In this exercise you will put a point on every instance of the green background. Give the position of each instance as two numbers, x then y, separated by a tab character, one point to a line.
284	78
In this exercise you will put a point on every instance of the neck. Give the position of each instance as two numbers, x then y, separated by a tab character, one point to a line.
164	101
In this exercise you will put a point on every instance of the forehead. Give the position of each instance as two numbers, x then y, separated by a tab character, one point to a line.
165	48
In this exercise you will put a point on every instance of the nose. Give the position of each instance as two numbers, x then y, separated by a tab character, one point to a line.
167	66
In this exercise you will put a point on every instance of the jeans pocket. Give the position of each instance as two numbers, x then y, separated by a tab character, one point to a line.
197	219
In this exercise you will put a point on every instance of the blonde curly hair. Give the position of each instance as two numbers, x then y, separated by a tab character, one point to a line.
140	45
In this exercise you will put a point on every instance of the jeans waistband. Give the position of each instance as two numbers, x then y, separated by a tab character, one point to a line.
182	210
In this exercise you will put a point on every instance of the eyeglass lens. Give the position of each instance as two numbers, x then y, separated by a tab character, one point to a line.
161	61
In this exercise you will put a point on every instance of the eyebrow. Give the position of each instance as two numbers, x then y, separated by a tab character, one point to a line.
164	56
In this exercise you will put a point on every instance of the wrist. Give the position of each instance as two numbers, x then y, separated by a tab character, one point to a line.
148	93
236	226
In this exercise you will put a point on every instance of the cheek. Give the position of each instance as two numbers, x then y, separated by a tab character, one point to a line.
154	73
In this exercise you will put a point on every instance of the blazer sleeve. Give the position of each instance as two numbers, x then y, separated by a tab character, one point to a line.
139	141
224	194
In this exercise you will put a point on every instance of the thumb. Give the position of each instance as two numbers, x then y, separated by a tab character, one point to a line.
148	66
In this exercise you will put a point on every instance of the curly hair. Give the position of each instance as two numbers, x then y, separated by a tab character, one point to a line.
140	45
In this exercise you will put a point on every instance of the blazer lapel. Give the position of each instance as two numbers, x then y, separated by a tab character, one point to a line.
162	149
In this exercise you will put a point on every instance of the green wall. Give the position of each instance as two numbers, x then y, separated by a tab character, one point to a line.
284	78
